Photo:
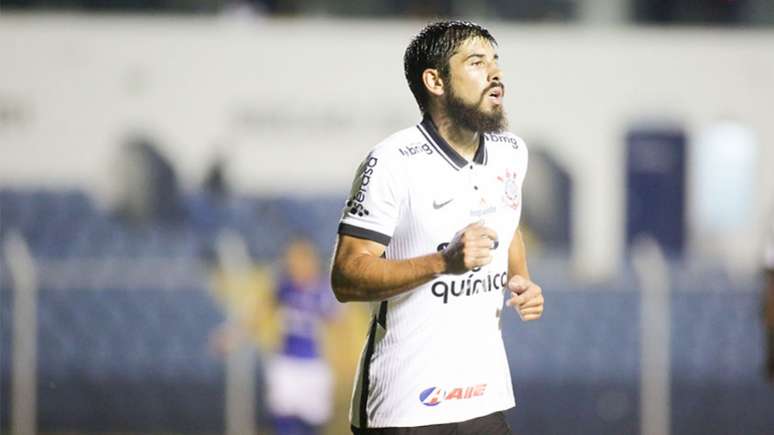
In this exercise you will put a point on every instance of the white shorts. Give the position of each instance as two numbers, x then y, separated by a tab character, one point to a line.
300	387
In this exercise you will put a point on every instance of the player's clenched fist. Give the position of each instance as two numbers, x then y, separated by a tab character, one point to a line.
526	298
471	247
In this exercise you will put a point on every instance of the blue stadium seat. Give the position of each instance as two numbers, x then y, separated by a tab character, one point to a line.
137	360
129	360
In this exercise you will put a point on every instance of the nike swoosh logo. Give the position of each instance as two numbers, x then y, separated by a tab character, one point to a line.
437	205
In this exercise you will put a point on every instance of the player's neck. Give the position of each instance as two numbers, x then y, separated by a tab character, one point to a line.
464	141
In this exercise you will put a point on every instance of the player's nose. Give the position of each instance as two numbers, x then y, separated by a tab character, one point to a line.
495	73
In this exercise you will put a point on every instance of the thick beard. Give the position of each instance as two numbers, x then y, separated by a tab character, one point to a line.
471	117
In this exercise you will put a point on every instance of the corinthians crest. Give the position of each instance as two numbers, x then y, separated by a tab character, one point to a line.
510	189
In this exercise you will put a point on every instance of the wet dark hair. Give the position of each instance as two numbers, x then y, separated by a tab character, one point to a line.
432	47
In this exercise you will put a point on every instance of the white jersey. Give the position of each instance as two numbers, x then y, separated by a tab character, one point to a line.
435	354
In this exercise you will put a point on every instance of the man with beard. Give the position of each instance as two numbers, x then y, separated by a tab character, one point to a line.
430	238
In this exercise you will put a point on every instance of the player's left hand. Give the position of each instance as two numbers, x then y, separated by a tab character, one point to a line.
526	298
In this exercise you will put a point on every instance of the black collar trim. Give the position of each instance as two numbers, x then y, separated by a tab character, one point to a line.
439	143
435	147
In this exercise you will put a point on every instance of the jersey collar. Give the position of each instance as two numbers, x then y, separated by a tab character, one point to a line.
428	129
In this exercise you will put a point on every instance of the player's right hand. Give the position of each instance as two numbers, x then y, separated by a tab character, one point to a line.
471	247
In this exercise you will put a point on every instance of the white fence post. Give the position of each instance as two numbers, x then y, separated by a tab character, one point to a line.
655	329
240	361
24	340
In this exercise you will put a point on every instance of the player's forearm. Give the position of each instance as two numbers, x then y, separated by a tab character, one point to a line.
517	257
366	277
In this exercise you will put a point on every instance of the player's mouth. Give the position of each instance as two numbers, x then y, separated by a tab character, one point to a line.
496	94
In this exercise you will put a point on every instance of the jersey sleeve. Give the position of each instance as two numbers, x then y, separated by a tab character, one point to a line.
523	157
373	206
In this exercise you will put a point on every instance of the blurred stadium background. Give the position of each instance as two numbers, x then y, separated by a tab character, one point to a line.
157	156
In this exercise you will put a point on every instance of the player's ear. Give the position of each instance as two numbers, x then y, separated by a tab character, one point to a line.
432	81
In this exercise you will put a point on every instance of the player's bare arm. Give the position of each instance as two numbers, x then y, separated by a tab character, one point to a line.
526	296
360	273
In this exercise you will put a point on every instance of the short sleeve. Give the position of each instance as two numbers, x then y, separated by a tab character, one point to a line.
524	160
373	206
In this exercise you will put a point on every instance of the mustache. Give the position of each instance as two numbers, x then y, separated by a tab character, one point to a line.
494	85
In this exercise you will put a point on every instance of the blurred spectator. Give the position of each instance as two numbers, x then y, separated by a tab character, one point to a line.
215	180
149	189
548	201
300	385
768	296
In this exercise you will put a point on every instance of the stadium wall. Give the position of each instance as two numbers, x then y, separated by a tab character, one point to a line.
293	105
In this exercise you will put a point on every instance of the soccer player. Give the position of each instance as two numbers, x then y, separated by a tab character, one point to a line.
300	385
430	237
